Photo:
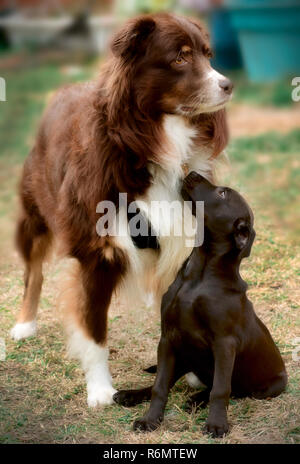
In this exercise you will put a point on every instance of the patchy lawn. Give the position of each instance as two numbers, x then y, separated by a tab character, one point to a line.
42	393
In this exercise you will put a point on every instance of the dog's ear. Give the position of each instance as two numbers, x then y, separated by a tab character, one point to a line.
133	37
244	236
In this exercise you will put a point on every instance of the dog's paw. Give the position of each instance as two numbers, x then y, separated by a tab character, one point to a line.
126	398
217	429
145	425
23	330
100	397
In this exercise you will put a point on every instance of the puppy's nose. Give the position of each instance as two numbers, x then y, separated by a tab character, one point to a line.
226	85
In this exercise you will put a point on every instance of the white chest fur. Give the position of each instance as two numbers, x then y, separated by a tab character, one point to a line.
180	143
163	204
181	147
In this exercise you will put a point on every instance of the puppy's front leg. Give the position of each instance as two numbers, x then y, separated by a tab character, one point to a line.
224	354
165	379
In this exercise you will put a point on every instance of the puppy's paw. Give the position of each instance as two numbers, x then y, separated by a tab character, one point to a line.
126	398
216	429
145	425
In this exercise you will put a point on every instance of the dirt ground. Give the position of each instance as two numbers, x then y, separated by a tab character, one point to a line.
249	120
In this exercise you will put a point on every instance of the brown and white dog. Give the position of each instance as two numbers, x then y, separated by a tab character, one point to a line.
156	106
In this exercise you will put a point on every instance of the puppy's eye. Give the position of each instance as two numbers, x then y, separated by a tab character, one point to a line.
222	194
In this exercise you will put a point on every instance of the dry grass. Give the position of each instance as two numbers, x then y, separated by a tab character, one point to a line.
42	393
43	398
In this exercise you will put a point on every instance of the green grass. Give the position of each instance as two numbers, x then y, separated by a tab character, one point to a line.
276	94
20	114
269	166
272	143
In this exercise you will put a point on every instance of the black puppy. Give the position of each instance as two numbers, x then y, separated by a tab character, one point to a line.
208	324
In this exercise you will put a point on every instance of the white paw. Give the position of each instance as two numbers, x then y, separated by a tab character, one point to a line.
193	380
23	330
100	396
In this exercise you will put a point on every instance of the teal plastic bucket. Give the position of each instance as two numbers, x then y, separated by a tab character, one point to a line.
227	54
269	35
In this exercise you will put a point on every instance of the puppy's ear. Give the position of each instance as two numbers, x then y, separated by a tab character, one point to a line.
241	233
244	236
133	37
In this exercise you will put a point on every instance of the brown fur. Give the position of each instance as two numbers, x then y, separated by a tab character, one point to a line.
97	140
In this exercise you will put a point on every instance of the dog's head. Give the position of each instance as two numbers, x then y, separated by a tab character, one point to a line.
227	216
169	58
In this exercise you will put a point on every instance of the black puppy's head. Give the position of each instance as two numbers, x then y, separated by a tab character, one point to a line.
227	216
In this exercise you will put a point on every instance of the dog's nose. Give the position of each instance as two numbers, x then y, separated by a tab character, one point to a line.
226	85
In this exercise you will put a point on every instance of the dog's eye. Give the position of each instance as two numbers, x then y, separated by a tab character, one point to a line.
180	60
207	52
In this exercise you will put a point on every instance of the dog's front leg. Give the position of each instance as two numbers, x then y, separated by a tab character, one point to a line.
224	350
165	379
86	323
